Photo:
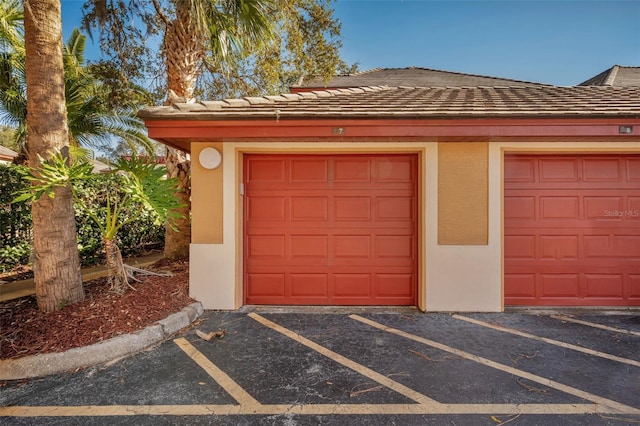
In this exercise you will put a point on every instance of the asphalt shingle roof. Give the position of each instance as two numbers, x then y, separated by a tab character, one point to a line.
417	102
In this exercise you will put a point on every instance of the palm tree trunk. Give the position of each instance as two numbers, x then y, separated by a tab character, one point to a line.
183	52
117	275
178	237
57	273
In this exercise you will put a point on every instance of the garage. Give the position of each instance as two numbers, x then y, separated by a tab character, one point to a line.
330	229
572	230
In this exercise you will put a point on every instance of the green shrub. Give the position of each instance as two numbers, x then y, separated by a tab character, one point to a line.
12	256
135	239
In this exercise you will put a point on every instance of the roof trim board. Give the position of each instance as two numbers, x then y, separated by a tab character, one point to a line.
180	134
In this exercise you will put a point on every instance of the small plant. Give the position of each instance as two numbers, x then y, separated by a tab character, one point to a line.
11	256
144	187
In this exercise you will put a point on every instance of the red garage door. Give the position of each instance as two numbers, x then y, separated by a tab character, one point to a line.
572	230
330	230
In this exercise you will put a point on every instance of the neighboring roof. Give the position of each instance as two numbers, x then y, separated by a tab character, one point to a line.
615	76
411	76
6	154
416	102
99	166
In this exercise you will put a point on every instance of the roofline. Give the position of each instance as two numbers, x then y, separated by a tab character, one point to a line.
300	84
180	133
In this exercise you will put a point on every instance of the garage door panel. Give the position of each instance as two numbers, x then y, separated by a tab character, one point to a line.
394	208
266	171
395	285
520	286
352	170
271	285
633	208
397	169
603	207
522	247
266	247
559	207
352	285
571	236
305	208
559	247
309	285
612	246
633	169
520	208
352	246
352	208
558	170
604	285
634	285
337	235
309	170
603	170
309	248
559	285
519	170
394	246
267	208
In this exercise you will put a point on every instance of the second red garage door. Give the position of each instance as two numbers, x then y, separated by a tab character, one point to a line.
330	230
572	230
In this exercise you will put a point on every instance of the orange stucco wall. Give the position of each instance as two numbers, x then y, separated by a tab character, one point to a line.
206	198
463	213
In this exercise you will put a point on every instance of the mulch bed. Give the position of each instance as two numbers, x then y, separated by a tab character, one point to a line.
24	330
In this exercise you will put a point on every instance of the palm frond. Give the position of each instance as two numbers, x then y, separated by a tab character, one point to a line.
236	27
11	26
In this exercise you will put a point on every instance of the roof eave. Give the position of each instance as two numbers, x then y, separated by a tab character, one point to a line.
180	133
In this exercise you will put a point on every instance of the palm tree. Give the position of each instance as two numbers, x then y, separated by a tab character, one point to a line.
200	27
93	121
39	85
57	275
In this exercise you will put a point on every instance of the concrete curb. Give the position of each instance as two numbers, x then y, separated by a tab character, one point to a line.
99	353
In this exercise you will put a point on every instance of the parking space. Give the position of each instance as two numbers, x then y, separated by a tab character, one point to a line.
339	367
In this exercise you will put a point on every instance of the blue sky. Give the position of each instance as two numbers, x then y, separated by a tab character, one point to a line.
562	42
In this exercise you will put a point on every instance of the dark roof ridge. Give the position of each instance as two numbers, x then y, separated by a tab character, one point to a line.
372	70
612	76
472	75
616	75
365	71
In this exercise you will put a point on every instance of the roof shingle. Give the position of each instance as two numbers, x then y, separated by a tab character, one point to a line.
417	102
414	76
615	76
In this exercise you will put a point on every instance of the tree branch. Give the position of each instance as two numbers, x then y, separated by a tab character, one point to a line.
161	14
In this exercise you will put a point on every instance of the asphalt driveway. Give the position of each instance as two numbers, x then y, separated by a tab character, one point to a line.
373	366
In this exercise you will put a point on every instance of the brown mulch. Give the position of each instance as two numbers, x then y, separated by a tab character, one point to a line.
24	330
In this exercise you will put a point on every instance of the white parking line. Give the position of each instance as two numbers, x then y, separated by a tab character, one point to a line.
549	341
367	372
595	325
534	378
301	409
247	405
227	383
